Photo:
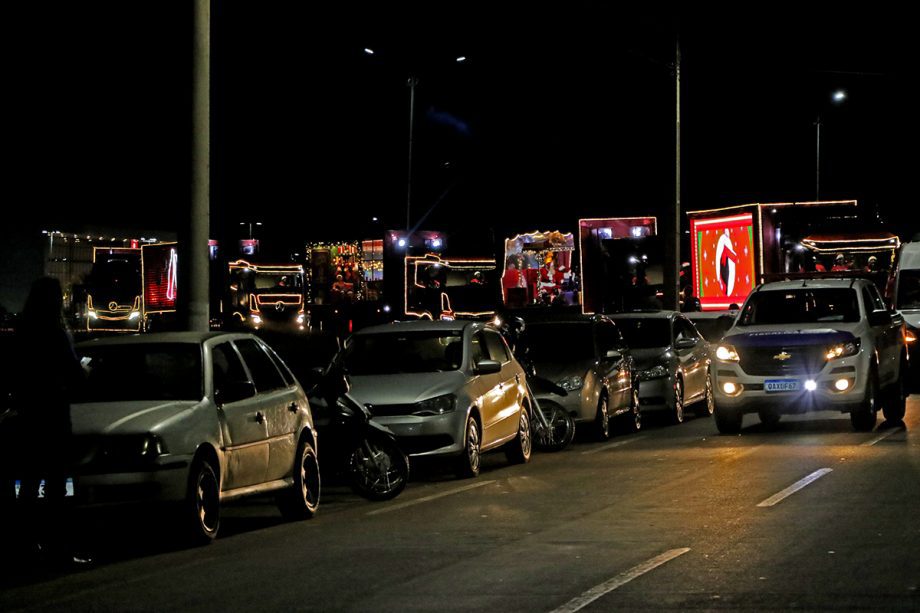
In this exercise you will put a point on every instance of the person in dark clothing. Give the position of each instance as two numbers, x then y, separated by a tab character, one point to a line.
48	376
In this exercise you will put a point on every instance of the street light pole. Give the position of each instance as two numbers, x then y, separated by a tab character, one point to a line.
413	81
818	159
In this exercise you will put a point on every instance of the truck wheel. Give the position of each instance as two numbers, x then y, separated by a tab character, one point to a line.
863	418
728	421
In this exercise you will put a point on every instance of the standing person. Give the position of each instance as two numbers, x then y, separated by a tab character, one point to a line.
49	374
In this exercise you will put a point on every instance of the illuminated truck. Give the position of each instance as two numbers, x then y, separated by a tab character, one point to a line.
733	249
621	261
439	287
132	289
265	296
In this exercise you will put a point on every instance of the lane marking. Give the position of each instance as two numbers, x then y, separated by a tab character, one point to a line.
412	503
612	445
580	602
792	489
881	437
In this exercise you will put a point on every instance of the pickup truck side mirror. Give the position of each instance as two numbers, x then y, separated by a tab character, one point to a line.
879	318
234	391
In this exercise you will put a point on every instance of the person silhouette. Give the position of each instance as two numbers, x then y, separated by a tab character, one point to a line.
48	376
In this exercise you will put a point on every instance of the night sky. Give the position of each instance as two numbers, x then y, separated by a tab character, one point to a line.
561	110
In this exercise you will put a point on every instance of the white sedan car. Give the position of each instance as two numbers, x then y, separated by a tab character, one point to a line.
196	419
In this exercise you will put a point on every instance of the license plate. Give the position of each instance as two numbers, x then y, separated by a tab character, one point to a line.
781	385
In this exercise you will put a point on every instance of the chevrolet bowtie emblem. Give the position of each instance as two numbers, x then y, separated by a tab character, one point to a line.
782	356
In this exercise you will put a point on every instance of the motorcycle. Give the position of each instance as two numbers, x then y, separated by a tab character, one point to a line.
365	453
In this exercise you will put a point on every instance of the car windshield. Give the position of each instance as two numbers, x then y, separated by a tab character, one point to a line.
142	371
645	333
559	342
394	353
800	306
909	289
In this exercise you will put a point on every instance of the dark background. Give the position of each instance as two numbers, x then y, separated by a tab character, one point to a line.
562	110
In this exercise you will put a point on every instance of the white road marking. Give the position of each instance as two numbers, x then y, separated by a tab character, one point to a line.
792	489
412	503
612	445
881	437
576	604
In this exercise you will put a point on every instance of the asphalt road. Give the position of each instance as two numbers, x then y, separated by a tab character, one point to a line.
810	516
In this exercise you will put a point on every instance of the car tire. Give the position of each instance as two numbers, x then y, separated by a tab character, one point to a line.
896	403
200	514
708	405
769	417
602	420
863	418
633	418
469	462
520	449
677	412
302	500
728	421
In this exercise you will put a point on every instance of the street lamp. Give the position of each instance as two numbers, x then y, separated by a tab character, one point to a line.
249	223
837	97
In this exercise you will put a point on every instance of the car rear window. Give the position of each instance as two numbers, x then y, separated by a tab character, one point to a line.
801	305
142	371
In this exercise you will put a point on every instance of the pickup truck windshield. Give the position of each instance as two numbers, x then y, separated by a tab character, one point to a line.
909	289
803	305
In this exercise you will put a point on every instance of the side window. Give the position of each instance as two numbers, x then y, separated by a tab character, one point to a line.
876	299
282	367
608	337
264	374
683	329
496	347
227	367
478	348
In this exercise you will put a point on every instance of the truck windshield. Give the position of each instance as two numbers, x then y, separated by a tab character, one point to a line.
142	371
645	333
800	306
909	289
394	353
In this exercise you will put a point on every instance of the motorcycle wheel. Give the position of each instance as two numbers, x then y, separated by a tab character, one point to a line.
378	469
559	430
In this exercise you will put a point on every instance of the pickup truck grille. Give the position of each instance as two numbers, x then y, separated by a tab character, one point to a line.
768	361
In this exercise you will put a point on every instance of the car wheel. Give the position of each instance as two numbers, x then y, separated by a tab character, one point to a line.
201	512
634	416
678	415
708	406
470	459
520	448
728	421
896	403
302	500
863	418
602	420
769	417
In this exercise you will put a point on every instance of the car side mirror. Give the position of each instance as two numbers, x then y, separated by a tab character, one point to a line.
686	343
613	355
487	367
234	391
879	318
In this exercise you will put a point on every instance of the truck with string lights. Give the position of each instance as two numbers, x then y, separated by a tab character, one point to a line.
265	296
733	249
132	289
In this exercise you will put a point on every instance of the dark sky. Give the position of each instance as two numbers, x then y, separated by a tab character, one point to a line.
562	110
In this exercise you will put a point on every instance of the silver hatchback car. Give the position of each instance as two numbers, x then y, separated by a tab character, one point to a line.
444	388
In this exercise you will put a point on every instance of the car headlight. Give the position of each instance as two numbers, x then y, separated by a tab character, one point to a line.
436	406
842	350
727	353
655	372
131	449
571	384
910	335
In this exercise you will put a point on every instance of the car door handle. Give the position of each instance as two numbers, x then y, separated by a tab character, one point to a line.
260	417
293	407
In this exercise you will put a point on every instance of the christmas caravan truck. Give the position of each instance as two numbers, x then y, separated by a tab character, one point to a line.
733	249
447	288
266	296
538	270
621	263
132	289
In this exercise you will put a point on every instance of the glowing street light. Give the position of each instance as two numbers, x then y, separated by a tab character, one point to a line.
839	96
368	51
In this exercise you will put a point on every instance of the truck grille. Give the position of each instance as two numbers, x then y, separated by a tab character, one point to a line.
763	361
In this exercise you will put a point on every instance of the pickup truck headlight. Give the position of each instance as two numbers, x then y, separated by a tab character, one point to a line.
571	384
436	406
727	353
842	350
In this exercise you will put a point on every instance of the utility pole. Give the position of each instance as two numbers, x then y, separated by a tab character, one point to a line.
818	160
671	226
413	81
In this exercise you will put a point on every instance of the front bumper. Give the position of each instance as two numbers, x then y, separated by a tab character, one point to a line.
427	435
656	394
751	394
167	482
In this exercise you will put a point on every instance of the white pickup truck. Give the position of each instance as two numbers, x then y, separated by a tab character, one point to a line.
800	346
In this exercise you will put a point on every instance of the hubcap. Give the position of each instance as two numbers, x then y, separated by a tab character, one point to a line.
637	414
605	423
309	485
473	445
678	401
710	400
206	502
525	433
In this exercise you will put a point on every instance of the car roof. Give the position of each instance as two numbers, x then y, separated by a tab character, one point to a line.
560	318
161	337
821	283
421	325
